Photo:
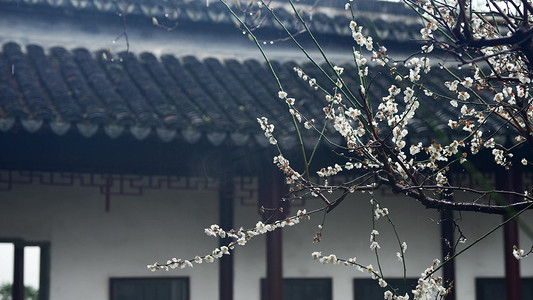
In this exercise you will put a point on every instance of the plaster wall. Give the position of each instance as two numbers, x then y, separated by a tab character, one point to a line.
347	231
90	245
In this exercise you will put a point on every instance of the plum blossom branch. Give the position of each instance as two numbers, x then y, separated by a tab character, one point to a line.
513	217
374	126
240	238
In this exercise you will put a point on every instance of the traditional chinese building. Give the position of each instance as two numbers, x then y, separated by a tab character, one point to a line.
127	127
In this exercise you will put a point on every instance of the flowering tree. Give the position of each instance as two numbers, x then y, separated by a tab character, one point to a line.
488	48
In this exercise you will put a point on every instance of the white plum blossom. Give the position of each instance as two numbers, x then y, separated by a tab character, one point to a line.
268	129
338	70
399	256
198	259
426	33
429	286
463	95
388	295
467	83
499	157
370	269
454	103
452	86
359	38
498	97
380	212
415	149
441	178
382	283
374	246
329	171
332	258
518	253
353	113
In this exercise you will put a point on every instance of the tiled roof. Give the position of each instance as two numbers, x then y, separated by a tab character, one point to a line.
170	97
386	21
173	98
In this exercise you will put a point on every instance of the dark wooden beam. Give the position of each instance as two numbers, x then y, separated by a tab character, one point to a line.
18	272
44	277
511	180
271	190
226	215
447	236
274	281
512	267
46	151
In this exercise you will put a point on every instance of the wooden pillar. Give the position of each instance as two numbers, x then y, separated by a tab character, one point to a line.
274	279
44	277
226	215
18	272
512	266
511	180
447	236
271	190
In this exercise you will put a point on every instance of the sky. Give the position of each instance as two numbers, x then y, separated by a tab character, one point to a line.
31	264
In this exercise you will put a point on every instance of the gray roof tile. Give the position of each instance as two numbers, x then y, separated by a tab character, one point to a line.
175	98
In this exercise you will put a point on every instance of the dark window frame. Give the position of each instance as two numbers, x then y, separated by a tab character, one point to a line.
500	281
159	278
394	282
44	266
329	280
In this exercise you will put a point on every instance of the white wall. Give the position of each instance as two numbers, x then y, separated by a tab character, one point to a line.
346	234
486	258
90	245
